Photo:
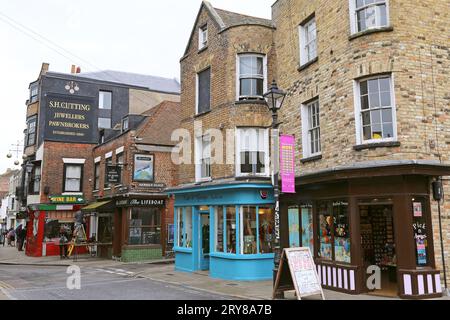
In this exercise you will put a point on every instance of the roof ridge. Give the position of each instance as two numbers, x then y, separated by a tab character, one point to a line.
127	72
242	14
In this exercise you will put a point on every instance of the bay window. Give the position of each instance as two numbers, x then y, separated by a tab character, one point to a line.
252	152
31	131
252	76
244	230
368	14
375	107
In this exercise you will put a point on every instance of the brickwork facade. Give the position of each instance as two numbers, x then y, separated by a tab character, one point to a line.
413	49
226	113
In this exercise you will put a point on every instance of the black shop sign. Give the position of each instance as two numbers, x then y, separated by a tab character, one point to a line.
69	118
140	203
113	174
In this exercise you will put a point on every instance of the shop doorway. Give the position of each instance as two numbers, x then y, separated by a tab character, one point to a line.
378	245
204	240
105	235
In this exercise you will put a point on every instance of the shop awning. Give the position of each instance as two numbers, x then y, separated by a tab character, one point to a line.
97	206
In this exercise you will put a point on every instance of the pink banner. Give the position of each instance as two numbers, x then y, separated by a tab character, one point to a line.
287	163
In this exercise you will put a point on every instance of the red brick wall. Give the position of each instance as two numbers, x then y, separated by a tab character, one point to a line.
53	167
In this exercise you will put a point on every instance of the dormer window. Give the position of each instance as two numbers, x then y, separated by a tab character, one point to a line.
203	37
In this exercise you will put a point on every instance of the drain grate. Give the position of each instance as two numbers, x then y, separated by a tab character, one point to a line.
232	284
169	274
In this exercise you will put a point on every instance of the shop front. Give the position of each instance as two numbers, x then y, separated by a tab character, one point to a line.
44	223
130	228
370	229
226	230
144	225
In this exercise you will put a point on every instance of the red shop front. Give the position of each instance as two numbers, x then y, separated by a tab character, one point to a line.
43	227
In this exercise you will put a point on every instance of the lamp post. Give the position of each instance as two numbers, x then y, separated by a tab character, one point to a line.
275	98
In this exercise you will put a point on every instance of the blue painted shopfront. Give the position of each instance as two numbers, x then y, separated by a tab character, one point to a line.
225	229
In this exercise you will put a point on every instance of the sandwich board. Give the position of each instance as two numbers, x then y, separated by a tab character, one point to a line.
302	277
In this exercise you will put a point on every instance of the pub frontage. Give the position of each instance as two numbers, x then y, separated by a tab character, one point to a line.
131	227
368	218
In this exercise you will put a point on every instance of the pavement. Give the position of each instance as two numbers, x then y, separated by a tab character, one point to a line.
163	272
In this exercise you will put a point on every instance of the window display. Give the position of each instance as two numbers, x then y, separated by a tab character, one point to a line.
324	232
231	229
188	227
248	222
219	229
341	232
266	229
145	226
294	227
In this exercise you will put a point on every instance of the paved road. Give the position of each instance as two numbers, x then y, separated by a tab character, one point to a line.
49	283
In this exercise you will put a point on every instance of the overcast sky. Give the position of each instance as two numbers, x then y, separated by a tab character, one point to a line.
142	36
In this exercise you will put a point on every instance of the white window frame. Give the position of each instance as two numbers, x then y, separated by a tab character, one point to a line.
307	152
238	153
101	99
358	115
354	20
238	74
202	37
304	53
199	157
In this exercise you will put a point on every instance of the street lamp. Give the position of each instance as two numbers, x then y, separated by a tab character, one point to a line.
275	98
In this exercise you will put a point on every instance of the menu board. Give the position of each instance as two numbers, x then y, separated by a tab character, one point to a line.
303	272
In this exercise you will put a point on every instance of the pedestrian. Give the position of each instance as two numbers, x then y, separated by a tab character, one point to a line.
11	237
63	239
5	236
21	238
18	233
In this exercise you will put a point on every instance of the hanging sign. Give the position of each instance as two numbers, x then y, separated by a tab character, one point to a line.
113	174
303	273
287	161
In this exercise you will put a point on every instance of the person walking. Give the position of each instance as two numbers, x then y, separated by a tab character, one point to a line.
5	236
63	240
18	233
11	237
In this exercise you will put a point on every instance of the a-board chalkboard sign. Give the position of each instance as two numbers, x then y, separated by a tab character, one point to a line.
303	273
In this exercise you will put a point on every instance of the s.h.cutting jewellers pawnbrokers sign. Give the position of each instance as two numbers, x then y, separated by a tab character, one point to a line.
140	203
69	118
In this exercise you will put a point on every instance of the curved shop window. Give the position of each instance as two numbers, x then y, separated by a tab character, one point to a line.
253	226
184	221
145	226
333	231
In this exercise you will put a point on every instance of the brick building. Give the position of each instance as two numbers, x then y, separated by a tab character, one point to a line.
223	206
134	213
67	116
367	99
